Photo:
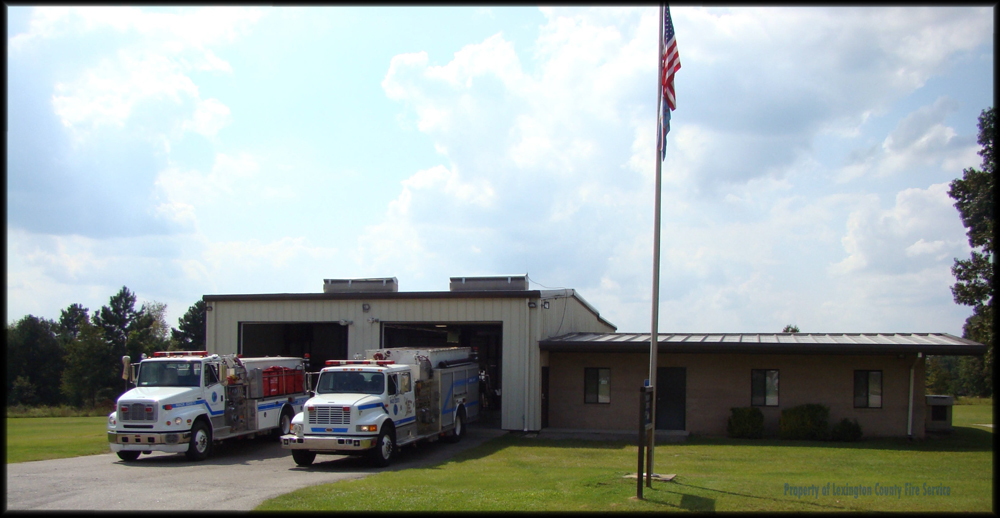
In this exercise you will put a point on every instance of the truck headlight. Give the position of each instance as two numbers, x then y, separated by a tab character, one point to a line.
367	428
112	421
297	429
177	421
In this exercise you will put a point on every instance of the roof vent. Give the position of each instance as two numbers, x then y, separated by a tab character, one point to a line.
385	284
490	283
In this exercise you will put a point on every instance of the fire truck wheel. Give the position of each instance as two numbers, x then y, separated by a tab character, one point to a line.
201	441
459	431
128	456
284	422
384	449
303	457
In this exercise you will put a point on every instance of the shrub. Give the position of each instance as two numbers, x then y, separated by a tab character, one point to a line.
745	423
805	422
846	430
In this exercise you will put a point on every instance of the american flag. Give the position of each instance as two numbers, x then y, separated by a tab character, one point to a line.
670	63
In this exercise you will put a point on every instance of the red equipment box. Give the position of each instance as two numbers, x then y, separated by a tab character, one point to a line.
282	380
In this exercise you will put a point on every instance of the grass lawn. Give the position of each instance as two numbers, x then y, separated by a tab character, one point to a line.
41	438
517	473
968	415
529	474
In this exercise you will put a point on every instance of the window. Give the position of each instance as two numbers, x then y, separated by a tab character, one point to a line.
867	389
169	374
764	387
211	376
404	382
392	385
340	382
596	385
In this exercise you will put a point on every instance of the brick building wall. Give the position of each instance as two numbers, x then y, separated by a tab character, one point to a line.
717	382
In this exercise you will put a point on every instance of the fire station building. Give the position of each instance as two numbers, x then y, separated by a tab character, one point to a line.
550	361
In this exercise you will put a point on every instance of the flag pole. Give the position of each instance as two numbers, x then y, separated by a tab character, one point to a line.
654	325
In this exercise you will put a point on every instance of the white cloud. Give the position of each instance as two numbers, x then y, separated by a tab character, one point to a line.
922	230
255	257
153	67
828	70
546	165
174	31
182	193
448	182
920	140
923	139
934	248
47	273
573	130
210	116
108	94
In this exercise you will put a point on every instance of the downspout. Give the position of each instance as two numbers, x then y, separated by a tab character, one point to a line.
909	410
527	364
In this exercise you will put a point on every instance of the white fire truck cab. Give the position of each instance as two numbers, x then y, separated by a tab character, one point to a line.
394	397
185	400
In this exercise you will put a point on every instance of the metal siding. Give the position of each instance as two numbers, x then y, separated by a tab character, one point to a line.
534	372
420	312
514	373
522	328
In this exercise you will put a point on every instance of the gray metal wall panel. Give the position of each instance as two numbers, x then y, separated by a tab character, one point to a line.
522	329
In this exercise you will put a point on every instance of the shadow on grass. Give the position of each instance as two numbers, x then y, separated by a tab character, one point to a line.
698	503
691	502
696	500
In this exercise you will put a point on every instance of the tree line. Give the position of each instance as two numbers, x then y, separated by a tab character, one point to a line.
76	359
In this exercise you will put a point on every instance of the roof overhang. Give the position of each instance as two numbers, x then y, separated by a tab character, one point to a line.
409	295
942	344
375	295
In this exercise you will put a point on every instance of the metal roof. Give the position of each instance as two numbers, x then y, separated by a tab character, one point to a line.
770	343
411	295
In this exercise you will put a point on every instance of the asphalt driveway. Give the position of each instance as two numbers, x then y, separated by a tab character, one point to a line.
238	477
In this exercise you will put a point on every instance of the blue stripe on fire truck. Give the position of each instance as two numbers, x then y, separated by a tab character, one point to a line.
196	403
451	390
321	430
274	404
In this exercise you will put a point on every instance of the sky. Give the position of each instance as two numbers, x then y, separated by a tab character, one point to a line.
191	151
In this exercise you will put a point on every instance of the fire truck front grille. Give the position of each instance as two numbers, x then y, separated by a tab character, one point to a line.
329	415
132	412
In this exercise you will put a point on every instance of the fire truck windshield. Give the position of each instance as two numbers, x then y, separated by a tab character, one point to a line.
169	374
339	382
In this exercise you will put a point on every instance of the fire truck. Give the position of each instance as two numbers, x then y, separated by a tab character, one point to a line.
183	401
391	398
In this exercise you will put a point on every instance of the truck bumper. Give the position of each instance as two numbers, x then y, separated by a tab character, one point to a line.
174	442
329	443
